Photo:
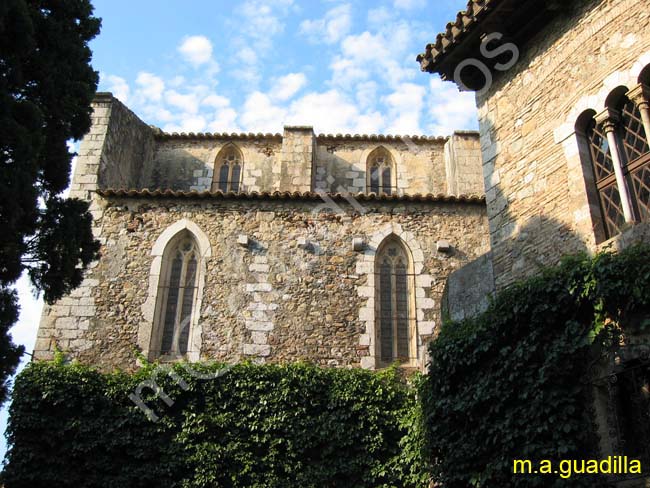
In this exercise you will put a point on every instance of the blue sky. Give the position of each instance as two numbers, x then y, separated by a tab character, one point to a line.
255	65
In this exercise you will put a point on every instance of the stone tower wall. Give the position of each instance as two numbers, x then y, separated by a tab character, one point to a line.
538	204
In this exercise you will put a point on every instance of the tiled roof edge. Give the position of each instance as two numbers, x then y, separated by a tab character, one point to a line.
278	195
446	41
159	134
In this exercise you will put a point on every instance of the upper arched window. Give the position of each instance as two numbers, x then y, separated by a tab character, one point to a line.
228	169
394	302
620	157
381	172
177	294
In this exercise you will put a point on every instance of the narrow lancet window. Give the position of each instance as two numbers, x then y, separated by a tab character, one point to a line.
177	291
394	307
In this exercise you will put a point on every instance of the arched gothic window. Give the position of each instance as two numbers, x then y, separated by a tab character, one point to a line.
620	157
394	302
177	293
380	171
228	170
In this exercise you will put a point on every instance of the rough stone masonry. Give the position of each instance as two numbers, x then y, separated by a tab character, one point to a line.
288	262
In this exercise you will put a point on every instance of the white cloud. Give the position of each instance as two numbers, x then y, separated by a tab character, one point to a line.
176	81
331	28
367	94
449	109
287	86
188	123
408	4
405	106
189	102
151	86
196	50
329	111
366	55
261	115
263	19
224	121
247	55
216	101
118	87
379	16
332	111
247	66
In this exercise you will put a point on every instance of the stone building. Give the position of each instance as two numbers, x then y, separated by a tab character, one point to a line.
333	249
563	94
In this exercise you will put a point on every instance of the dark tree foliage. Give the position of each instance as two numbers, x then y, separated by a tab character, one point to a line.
46	86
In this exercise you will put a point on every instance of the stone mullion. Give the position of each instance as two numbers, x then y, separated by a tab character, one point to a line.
640	95
610	120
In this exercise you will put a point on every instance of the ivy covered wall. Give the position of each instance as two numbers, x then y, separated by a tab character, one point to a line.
249	426
517	381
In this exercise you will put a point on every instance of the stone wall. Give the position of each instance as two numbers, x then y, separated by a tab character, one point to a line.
468	289
341	164
460	164
301	161
126	153
538	204
187	163
296	290
281	278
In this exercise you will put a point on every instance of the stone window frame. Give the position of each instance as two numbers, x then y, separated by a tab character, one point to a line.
587	213
152	307
183	246
411	325
367	313
391	164
231	184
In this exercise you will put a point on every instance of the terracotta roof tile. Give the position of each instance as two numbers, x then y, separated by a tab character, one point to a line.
278	195
455	31
338	137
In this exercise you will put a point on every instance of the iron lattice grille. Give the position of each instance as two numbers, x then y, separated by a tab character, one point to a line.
394	314
628	409
608	193
640	178
637	156
635	142
180	297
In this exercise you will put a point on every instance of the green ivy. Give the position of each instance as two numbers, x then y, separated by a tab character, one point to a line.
253	426
512	382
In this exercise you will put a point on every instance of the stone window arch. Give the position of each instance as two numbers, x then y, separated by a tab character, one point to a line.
381	172
619	154
228	169
394	303
171	328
